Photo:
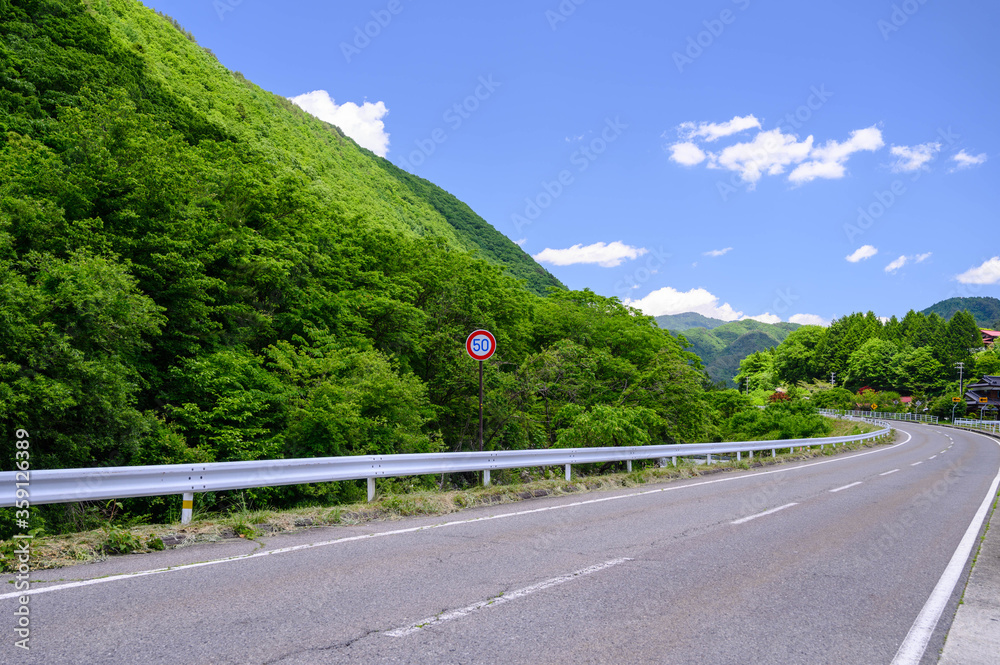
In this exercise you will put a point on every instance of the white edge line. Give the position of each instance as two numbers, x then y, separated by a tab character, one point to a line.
381	534
500	600
888	472
766	512
846	487
911	651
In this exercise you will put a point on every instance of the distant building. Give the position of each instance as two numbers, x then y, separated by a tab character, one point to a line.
988	387
990	336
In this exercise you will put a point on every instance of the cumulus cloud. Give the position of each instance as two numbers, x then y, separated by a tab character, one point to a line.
520	243
605	255
987	273
964	160
920	258
828	160
362	123
769	152
718	252
766	317
712	131
668	300
687	154
808	320
863	252
913	158
896	265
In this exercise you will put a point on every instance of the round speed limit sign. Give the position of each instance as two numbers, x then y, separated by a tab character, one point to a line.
481	344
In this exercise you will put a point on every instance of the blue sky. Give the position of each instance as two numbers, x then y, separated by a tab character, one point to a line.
783	160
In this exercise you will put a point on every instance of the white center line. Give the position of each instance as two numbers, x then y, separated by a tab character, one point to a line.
847	486
932	457
916	463
888	472
500	600
766	512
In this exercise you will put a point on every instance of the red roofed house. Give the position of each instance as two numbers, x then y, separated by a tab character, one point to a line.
990	336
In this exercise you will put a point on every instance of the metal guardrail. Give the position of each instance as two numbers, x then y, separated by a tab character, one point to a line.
68	485
984	425
909	417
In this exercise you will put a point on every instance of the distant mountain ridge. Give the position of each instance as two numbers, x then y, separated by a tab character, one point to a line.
721	345
986	310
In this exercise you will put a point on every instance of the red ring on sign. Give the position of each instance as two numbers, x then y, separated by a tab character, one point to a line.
479	353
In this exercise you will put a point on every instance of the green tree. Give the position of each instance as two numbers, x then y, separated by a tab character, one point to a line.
871	364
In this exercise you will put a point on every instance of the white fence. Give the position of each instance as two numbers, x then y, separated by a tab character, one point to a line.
68	485
910	417
985	425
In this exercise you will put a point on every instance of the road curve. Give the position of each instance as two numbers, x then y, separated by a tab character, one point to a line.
829	560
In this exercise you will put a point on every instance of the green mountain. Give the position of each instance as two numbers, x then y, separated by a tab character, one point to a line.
985	310
722	348
681	322
194	269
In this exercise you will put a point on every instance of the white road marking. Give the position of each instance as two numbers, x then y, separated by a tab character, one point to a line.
916	463
766	512
911	651
500	600
888	472
381	534
846	486
932	457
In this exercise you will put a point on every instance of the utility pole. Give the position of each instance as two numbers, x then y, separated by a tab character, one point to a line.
961	393
833	379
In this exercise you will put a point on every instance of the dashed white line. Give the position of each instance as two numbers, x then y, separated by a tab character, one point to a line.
916	463
932	457
766	512
845	487
888	472
500	600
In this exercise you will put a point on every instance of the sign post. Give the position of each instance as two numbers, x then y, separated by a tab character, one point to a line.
481	345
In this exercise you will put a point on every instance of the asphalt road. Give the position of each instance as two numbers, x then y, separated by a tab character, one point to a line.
835	564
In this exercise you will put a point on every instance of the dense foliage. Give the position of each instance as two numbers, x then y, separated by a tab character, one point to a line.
915	356
985	310
192	269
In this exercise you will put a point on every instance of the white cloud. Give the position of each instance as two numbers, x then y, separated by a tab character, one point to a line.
808	320
896	265
920	258
964	160
362	123
863	252
520	243
766	317
718	252
671	301
913	158
605	255
769	152
827	161
687	154
712	131
988	273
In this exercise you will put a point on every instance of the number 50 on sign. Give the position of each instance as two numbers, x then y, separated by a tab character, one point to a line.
481	344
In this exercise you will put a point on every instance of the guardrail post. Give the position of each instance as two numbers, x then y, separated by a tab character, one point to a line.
187	507
674	458
709	460
628	465
774	452
568	471
486	477
739	456
371	490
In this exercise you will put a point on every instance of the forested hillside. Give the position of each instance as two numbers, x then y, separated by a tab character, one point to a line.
686	320
723	347
986	311
193	269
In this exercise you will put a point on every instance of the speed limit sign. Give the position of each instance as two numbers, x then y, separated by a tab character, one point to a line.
481	344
